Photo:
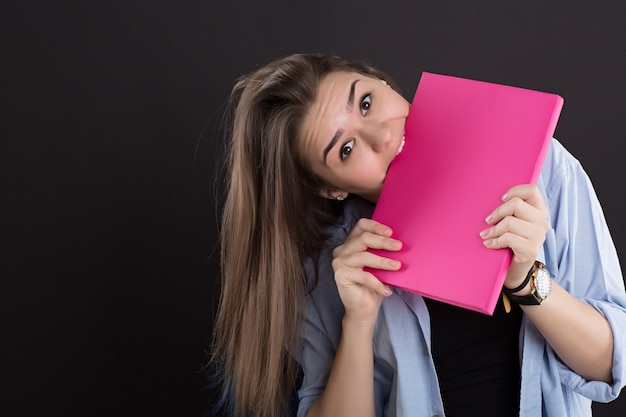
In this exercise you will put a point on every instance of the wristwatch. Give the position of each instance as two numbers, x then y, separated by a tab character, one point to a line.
540	286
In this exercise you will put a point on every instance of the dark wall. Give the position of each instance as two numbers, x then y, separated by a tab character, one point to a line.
110	136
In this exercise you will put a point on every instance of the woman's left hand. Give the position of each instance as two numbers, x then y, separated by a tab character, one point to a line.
521	224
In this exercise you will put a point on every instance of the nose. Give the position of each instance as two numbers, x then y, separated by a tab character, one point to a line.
377	135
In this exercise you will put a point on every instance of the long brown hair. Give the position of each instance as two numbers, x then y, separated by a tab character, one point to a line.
273	220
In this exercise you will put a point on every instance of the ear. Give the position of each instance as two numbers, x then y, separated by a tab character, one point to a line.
332	193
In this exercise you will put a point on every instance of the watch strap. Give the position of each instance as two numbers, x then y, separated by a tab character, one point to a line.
528	299
524	283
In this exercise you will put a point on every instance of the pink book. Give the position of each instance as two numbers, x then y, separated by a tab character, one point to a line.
467	142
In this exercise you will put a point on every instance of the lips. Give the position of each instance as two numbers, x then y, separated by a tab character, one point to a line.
401	147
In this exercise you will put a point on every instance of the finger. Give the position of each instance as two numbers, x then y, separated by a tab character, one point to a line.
360	260
375	241
518	208
377	285
347	279
364	241
372	226
530	193
533	230
524	250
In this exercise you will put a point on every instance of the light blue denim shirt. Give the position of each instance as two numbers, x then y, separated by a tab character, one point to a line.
578	251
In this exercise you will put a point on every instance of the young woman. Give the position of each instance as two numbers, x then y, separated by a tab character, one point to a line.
311	141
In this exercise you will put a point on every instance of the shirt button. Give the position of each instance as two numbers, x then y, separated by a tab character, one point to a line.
426	352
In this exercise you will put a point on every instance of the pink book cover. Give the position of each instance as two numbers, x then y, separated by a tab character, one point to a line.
466	143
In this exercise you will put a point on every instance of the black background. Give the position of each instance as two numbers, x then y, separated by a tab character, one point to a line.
110	142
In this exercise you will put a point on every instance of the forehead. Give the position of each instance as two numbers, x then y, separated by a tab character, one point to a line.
332	94
327	112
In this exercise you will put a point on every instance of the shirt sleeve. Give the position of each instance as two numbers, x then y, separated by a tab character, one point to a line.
581	255
319	335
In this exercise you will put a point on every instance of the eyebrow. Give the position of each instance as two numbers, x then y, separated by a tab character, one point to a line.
350	104
339	132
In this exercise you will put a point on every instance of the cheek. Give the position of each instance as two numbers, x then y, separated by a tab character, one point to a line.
400	105
371	171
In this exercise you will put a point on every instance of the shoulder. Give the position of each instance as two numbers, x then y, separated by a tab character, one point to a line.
354	208
563	177
319	270
559	165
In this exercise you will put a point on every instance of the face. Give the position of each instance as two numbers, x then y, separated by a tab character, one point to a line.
353	131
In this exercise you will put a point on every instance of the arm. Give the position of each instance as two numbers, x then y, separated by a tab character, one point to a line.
578	333
350	387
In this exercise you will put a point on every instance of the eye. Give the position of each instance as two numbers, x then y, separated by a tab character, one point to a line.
346	149
366	102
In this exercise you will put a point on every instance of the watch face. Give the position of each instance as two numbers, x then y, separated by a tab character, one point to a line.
543	282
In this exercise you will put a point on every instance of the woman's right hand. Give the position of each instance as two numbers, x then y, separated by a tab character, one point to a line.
360	291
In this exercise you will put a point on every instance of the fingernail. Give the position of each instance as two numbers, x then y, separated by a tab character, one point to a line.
487	242
394	264
484	233
396	244
488	219
387	291
505	196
